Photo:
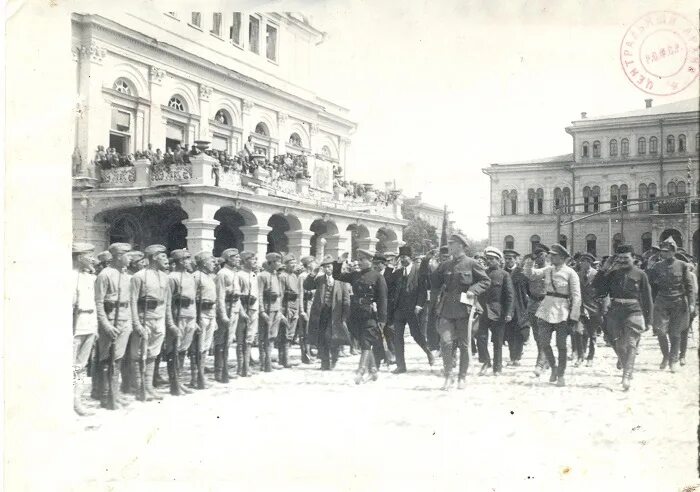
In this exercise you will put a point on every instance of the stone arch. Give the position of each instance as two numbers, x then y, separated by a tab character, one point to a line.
281	224
674	233
131	74
331	143
357	233
228	233
387	240
322	228
299	129
266	118
180	89
228	106
125	229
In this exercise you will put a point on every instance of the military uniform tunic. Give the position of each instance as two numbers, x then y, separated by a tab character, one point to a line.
227	305
206	303
151	308
184	292
290	287
270	294
113	305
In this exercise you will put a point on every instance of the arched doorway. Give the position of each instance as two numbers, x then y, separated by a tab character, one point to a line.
676	235
281	224
617	241
534	242
177	237
386	239
228	233
357	232
591	244
322	228
125	229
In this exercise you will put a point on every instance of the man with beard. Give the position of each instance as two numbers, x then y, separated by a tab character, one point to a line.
289	285
227	311
151	312
674	301
112	302
328	314
204	280
184	291
517	329
367	309
84	318
631	306
461	281
497	302
408	300
560	309
590	321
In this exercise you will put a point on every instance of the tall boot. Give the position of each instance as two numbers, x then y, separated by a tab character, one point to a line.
447	361
77	391
193	370
151	393
675	346
663	345
224	363
372	367
239	358
172	374
246	359
267	351
284	353
119	396
218	356
157	378
179	368
97	380
335	353
135	369
304	350
463	362
106	400
630	357
361	366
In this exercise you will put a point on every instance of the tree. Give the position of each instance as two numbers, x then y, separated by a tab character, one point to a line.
420	236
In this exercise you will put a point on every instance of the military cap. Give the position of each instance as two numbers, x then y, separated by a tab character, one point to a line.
246	254
493	251
389	254
541	248
228	253
270	257
654	249
306	260
80	248
380	257
135	256
327	260
444	250
219	260
104	256
405	251
668	245
366	253
682	257
119	248
625	248
154	249
203	256
280	268
179	254
459	238
510	252
289	257
479	255
587	257
559	250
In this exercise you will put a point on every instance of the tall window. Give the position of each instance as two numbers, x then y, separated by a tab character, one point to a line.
625	147
681	187
642	146
596	149
261	129
540	200
196	19
681	143
254	35
216	23
234	32
591	244
584	149
271	42
671	188
652	196
586	198
613	148
120	131
614	196
670	144
557	199
566	199
177	103
653	145
121	85
534	242
509	242
504	202
623	197
595	194
531	201
513	197
646	241
617	241
643	197
174	135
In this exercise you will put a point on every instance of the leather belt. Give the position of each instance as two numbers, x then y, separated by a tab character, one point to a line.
623	300
557	294
207	304
86	311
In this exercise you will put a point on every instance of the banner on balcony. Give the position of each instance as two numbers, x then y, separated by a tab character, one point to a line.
321	175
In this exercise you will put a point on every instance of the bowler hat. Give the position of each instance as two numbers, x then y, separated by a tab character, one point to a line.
405	251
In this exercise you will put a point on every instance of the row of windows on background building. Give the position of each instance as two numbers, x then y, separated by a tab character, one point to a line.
121	130
591	242
587	149
591	198
235	31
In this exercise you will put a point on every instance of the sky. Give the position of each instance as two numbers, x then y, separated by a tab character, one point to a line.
440	90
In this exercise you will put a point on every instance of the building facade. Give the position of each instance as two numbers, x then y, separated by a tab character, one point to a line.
168	80
432	214
642	164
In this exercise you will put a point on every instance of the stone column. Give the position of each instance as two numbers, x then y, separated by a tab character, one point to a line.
156	131
142	168
200	234
92	112
337	245
299	243
96	233
255	239
205	93
282	132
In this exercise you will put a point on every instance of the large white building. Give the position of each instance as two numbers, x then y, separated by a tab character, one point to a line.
638	160
175	78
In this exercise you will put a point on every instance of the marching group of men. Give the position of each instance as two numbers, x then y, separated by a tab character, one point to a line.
132	310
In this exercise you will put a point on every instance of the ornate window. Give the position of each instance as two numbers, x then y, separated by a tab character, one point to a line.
177	103
676	188
642	146
653	145
531	201
591	240
325	151
504	202
614	196
120	131
513	197
509	242
540	200
121	85
643	197
557	199
613	148
223	117
261	129
625	147
196	19
596	149
295	139
566	199
586	198
595	195
584	149
681	143
670	144
624	193
652	196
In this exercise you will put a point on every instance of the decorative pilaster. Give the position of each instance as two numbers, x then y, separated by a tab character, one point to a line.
91	111
205	93
246	109
299	242
200	234
283	133
343	153
337	245
255	239
156	133
367	243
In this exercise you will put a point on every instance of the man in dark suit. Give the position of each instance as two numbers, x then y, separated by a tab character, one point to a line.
328	314
409	297
384	264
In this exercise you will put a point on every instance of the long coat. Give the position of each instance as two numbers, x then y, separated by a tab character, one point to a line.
340	309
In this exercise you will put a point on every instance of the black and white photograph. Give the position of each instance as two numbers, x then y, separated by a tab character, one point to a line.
351	245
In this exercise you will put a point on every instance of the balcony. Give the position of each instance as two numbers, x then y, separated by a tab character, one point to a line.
279	178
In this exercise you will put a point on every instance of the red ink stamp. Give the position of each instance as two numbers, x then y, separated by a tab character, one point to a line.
659	53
